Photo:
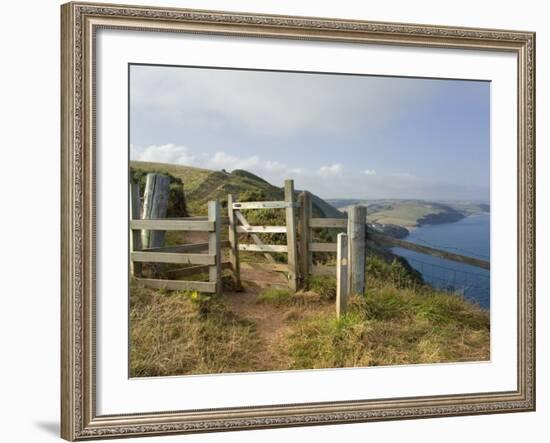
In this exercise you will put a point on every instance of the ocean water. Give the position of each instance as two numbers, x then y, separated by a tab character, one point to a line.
469	236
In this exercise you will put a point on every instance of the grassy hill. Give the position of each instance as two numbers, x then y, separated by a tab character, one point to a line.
202	185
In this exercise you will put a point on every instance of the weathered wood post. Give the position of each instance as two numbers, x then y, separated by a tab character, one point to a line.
214	245
135	235
155	204
305	238
342	268
233	242
290	212
357	218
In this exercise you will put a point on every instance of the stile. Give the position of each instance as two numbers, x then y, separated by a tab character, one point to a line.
155	205
357	249
233	242
292	252
214	245
305	238
342	270
135	235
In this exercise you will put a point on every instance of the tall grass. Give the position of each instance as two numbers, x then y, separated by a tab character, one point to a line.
393	323
175	333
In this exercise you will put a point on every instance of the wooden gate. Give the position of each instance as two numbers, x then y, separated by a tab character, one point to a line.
238	224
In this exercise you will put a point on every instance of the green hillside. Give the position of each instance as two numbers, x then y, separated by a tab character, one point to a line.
202	185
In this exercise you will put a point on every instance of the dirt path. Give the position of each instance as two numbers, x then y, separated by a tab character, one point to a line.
269	319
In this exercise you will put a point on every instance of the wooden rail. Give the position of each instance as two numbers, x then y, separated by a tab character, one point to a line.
167	224
176	285
193	270
322	247
187	247
263	248
262	229
328	223
173	257
264	205
429	251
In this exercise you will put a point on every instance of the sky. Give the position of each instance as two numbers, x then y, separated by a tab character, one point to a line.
336	135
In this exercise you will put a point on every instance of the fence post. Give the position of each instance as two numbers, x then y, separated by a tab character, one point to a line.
291	234
214	245
233	242
357	218
135	235
155	205
305	236
342	268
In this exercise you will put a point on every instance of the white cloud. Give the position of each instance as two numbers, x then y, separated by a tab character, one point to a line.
331	170
358	184
168	153
183	155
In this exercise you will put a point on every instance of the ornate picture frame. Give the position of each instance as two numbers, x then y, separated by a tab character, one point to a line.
80	22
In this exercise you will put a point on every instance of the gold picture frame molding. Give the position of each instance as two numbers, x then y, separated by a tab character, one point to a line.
79	22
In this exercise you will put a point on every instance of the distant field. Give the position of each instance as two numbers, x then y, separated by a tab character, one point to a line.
410	213
404	214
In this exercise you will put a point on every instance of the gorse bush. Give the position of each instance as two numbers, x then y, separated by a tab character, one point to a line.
395	272
324	285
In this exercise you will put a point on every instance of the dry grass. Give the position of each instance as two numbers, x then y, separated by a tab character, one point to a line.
391	326
175	333
396	322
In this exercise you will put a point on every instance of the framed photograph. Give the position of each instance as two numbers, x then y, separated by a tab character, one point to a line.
285	221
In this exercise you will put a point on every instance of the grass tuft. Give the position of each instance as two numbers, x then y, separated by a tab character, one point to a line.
275	296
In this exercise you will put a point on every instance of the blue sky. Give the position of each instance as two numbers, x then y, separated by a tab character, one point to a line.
339	136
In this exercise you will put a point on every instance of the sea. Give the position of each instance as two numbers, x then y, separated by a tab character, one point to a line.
469	236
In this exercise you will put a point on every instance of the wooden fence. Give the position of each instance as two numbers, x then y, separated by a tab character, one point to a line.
206	256
350	248
238	224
